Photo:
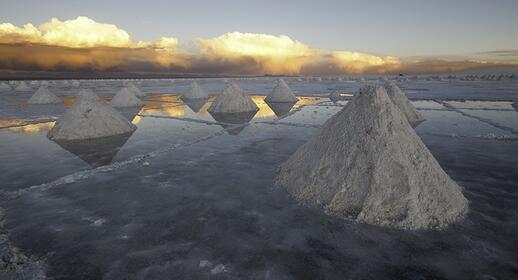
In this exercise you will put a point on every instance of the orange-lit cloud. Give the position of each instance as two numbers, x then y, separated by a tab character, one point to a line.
273	54
83	44
358	63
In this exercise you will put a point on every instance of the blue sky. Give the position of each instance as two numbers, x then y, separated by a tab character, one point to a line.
401	28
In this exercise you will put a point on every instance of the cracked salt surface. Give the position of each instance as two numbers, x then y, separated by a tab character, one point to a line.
209	195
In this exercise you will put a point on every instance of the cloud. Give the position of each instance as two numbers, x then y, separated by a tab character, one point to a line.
83	44
358	63
272	54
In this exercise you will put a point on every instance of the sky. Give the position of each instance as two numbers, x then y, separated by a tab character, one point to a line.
469	31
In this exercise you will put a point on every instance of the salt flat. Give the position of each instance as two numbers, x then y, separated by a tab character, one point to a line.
185	190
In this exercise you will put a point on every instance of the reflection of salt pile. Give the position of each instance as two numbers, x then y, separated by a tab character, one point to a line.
125	98
233	106
135	90
195	104
281	93
195	92
402	102
22	86
281	108
4	87
367	164
90	117
98	151
44	96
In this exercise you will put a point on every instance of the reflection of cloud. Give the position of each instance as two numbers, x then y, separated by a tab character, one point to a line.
273	54
32	128
358	63
83	44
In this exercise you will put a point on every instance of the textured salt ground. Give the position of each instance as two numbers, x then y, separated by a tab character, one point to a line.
161	220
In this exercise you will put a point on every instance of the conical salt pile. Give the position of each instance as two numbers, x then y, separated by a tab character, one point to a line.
125	98
233	100
5	87
135	90
44	96
402	102
281	93
368	165
22	86
195	92
89	118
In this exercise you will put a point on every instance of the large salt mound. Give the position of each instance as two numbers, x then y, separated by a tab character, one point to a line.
368	165
135	90
402	102
89	118
44	96
233	100
126	98
281	93
22	86
195	92
5	87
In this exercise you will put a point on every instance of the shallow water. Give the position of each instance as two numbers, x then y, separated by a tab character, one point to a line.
186	197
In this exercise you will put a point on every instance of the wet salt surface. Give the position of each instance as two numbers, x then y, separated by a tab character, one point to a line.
209	208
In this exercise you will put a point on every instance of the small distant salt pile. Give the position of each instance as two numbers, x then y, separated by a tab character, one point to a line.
22	86
44	96
125	98
233	106
135	90
89	118
402	102
76	83
368	165
233	100
195	92
281	93
5	87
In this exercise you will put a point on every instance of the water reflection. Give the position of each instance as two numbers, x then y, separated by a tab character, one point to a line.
195	104
234	118
32	128
95	152
281	108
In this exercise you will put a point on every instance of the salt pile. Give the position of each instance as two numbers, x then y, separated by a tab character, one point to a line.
367	164
402	102
281	93
135	90
22	86
89	118
4	87
126	98
76	83
233	100
515	105
44	96
195	92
